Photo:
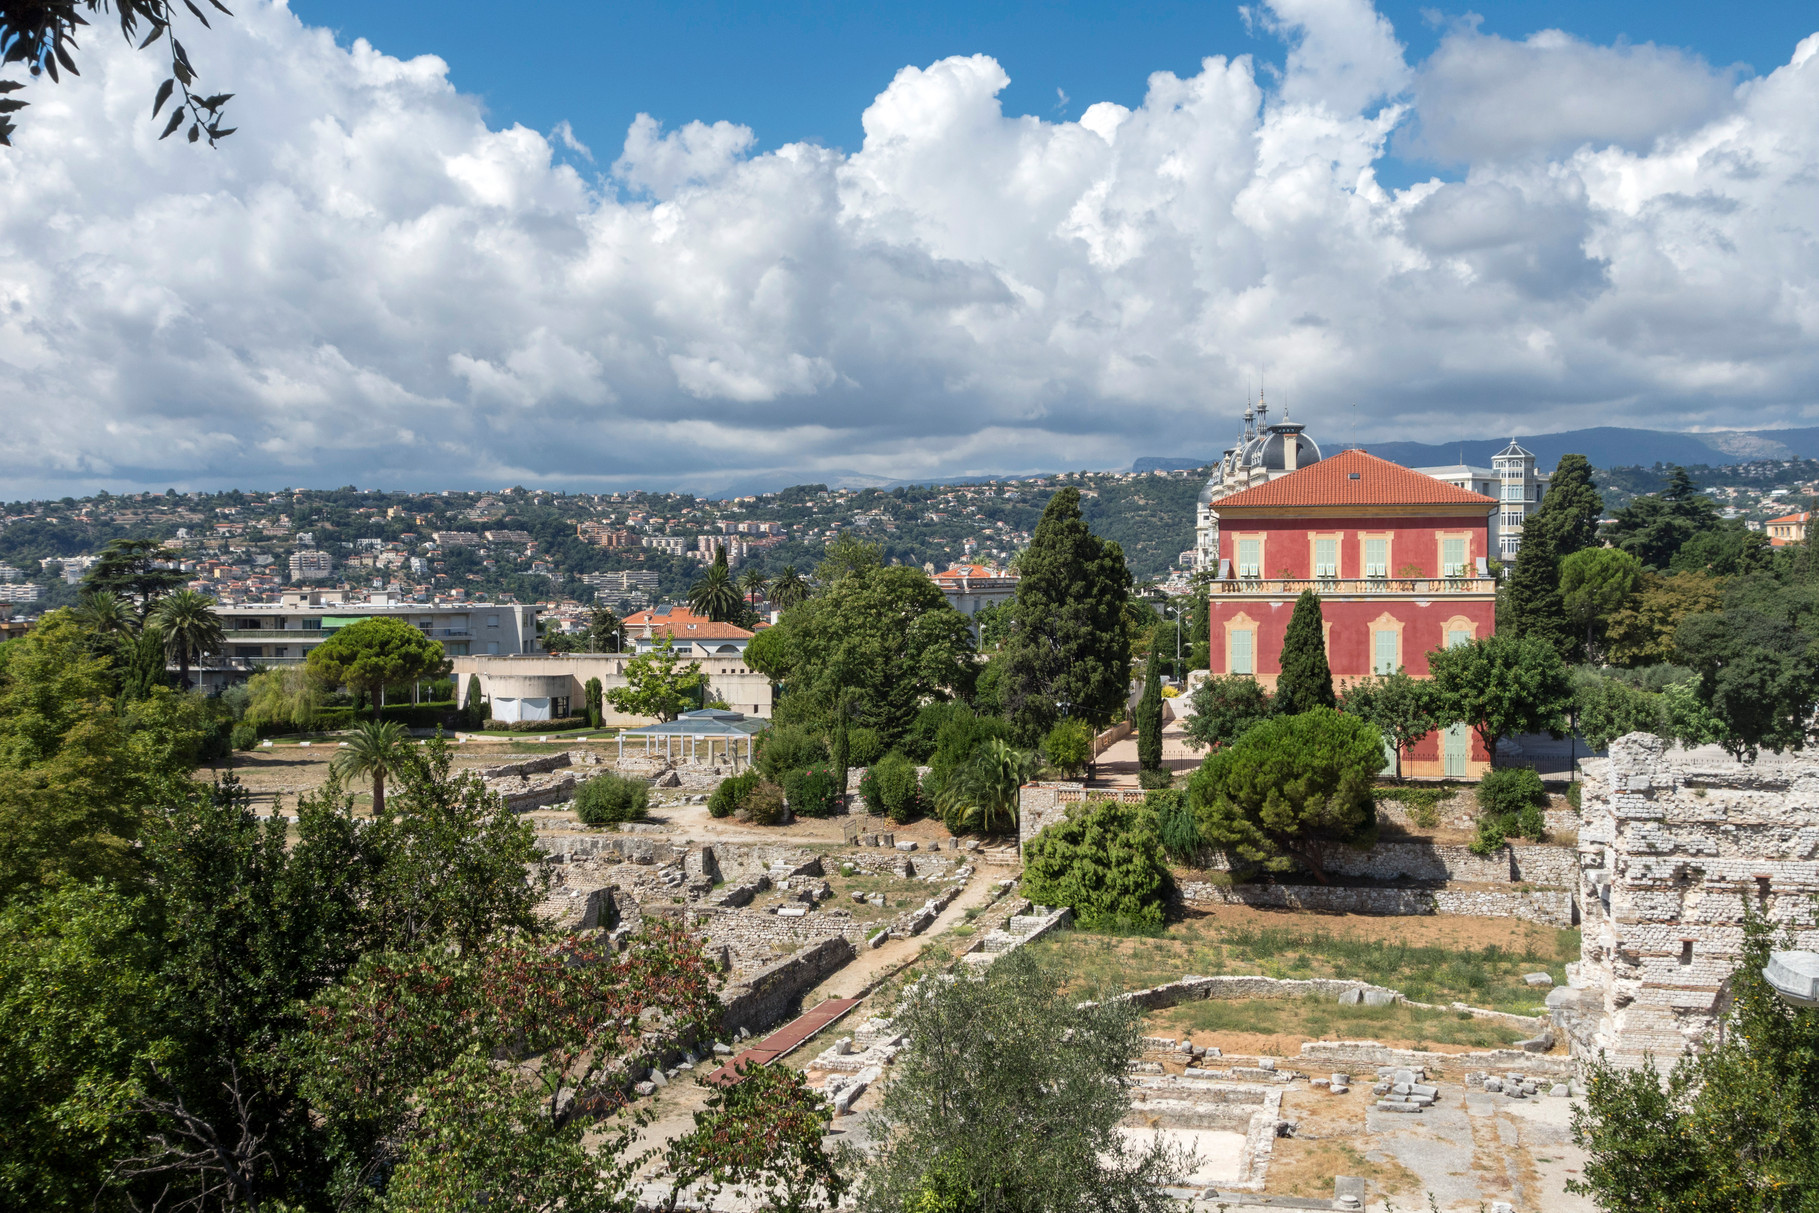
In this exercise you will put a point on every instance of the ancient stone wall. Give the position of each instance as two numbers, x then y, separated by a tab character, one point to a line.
1673	843
772	993
1551	908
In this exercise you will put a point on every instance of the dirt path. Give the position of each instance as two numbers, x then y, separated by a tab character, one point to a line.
850	981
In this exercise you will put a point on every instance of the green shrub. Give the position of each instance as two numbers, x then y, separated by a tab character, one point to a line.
1104	860
609	799
1069	746
1176	826
864	746
1155	780
1506	791
813	792
891	790
1511	802
731	793
1572	795
420	715
763	805
246	736
783	748
557	725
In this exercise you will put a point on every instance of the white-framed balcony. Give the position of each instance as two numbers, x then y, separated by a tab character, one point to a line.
1356	587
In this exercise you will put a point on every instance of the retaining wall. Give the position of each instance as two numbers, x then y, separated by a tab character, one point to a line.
773	993
1555	909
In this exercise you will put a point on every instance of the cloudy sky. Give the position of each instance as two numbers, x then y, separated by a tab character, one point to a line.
396	276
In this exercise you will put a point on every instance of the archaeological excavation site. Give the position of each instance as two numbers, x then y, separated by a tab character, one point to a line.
1415	1027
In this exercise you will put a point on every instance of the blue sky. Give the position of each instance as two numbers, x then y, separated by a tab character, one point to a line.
805	71
869	244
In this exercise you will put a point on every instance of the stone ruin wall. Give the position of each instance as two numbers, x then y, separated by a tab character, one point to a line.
1673	842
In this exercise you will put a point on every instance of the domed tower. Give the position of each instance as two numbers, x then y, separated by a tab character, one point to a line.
1263	452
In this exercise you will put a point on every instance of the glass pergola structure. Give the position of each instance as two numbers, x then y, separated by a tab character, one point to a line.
697	735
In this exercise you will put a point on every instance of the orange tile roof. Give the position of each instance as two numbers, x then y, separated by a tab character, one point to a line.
683	624
1802	516
971	571
1353	478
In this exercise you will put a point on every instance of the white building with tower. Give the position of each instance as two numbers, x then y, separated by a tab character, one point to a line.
1263	452
1513	481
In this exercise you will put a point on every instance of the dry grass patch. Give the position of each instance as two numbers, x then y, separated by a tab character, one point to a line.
1440	959
1289	1021
1302	1166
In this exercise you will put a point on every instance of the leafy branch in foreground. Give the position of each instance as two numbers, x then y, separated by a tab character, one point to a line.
42	35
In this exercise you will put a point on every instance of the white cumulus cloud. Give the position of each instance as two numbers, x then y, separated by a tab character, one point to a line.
368	283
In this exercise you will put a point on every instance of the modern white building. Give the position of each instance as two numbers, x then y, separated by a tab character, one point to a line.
1513	481
262	634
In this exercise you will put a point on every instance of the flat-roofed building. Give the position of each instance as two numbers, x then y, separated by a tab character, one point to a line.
263	634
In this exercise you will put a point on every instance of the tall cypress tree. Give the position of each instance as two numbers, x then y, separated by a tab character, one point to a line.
1569	509
1149	718
1530	603
1068	642
1306	681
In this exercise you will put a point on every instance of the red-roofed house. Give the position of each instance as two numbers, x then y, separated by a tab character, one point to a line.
1790	528
694	635
1397	557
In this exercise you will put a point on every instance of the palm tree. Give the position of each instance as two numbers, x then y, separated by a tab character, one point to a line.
982	795
715	595
789	589
105	613
376	750
754	584
190	627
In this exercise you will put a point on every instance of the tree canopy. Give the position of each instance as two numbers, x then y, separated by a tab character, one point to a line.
1759	676
1288	788
1734	1129
1306	681
993	1064
43	37
658	684
373	654
1653	527
883	632
1068	642
1502	685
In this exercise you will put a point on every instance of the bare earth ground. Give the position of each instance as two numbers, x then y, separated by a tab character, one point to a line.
1467	1151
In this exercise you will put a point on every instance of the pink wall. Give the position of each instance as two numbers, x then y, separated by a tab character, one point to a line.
1348	645
1288	551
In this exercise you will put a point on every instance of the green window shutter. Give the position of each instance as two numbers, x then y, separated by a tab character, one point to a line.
1242	645
1376	558
1385	656
1326	558
1452	557
1456	637
1250	558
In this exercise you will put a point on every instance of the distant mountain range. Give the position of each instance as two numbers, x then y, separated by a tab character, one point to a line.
1606	446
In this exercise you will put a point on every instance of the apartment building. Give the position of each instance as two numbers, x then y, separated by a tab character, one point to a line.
258	635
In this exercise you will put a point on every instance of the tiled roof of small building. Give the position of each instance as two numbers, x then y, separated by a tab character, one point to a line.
1353	478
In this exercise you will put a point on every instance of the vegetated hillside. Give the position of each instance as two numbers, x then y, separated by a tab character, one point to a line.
1605	446
238	544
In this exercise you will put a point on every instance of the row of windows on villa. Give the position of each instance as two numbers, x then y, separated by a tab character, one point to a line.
1374	551
1386	646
